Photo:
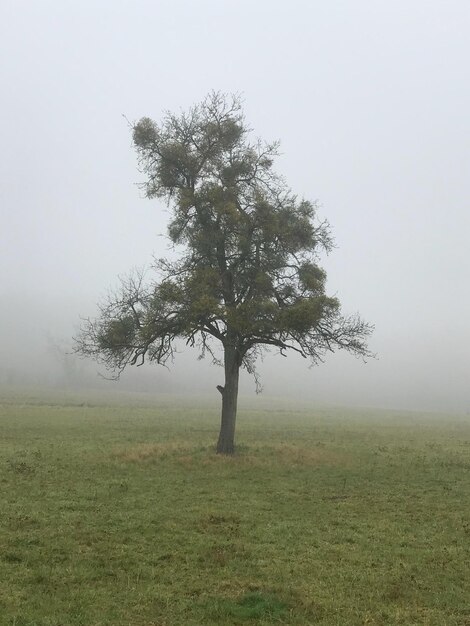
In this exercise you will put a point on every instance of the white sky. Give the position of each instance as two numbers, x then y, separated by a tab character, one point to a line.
371	101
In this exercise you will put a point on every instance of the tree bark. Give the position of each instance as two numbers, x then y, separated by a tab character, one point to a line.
226	442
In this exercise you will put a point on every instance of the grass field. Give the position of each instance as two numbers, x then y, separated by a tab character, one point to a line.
118	512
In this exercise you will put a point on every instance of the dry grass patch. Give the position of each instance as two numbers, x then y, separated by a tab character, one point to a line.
187	454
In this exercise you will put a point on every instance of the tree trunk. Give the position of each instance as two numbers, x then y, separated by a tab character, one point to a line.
226	442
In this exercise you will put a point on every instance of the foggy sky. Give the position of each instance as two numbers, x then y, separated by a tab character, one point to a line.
370	100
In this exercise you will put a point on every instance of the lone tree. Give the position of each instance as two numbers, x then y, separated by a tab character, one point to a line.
248	275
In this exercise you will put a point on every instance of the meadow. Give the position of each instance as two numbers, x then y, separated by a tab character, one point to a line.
116	511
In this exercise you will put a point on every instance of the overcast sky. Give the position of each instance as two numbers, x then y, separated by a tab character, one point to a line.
370	100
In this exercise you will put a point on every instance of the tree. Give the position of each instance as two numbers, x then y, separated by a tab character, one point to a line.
247	277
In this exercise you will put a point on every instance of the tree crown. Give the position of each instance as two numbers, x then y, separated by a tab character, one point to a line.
248	275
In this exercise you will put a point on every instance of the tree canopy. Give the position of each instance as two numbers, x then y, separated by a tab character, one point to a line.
248	275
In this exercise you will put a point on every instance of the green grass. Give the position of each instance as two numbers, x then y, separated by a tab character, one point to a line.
118	512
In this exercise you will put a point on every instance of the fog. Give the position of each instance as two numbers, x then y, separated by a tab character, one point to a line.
370	100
